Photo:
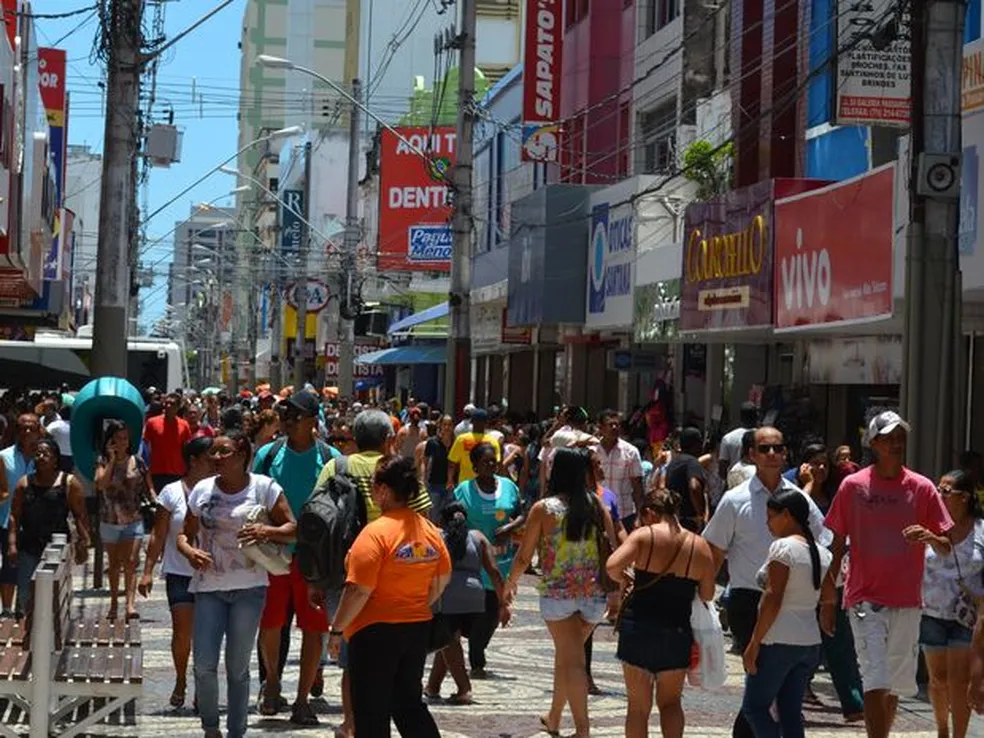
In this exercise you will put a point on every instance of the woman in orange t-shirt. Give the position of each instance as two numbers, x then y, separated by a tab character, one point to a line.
397	568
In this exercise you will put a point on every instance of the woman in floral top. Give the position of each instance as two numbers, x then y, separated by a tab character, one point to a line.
951	589
566	526
122	480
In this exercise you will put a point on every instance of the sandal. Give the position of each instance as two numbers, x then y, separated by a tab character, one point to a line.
546	727
432	696
460	700
177	698
271	704
303	714
112	612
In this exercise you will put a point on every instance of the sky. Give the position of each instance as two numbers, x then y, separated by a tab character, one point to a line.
198	77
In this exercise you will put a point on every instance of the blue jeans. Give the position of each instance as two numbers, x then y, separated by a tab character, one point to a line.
781	677
439	497
235	615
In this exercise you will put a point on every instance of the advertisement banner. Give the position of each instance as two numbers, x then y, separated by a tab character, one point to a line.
542	65
415	199
611	267
873	85
291	228
834	253
51	82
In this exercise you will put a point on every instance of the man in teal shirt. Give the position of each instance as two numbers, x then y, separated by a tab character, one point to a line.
295	462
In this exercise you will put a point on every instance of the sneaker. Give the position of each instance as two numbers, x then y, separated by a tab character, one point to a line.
303	714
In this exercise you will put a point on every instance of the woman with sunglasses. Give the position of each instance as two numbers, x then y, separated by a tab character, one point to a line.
168	524
951	594
229	589
42	503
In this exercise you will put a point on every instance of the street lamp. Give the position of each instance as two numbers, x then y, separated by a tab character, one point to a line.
277	62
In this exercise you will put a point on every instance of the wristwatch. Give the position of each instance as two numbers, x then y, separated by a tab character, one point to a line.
336	633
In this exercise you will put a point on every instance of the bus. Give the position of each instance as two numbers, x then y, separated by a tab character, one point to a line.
52	360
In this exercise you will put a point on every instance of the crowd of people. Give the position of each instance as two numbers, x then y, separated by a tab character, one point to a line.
821	561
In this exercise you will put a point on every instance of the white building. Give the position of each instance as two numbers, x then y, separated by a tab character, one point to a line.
83	183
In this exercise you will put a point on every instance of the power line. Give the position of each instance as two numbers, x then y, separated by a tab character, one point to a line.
52	16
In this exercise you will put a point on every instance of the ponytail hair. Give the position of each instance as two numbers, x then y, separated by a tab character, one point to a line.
798	507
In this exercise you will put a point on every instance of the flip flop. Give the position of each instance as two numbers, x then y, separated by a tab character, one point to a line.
458	700
546	728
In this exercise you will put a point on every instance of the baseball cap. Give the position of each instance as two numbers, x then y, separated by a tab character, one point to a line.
479	415
883	424
305	401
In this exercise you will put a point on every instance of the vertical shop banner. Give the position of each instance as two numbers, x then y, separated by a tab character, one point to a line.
542	57
415	199
291	229
834	253
727	261
611	267
51	82
873	85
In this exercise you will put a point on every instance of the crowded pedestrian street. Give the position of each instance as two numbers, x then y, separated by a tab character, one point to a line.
506	705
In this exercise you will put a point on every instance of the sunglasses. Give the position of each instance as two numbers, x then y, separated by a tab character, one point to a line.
947	491
341	439
764	448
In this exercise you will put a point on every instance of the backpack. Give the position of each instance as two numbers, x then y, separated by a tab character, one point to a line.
324	454
328	524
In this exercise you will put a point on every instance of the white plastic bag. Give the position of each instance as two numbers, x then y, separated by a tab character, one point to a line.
710	670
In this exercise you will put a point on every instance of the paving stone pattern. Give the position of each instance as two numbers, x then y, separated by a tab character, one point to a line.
520	658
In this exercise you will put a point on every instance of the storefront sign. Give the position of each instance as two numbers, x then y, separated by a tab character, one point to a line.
834	253
873	85
359	371
867	360
727	261
519	336
486	327
542	64
51	82
291	227
318	295
415	200
611	267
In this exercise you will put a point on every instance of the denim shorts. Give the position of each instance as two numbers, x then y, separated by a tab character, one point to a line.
113	534
177	590
937	634
591	609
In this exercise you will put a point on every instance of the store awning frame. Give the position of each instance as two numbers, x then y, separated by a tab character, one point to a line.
405	356
432	313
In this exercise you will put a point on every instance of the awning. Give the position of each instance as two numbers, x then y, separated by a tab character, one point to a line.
431	313
405	355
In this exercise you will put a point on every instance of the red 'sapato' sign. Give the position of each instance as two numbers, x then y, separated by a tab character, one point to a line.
543	54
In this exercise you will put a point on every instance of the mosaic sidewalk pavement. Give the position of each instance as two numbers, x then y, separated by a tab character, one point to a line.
507	706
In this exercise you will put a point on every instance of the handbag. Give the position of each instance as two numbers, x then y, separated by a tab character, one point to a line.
608	585
633	590
966	608
270	555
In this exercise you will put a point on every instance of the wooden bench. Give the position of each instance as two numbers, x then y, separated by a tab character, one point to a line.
68	674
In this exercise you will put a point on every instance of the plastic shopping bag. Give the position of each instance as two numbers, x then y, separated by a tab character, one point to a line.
707	665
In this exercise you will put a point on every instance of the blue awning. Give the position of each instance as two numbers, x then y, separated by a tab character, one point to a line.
431	313
405	356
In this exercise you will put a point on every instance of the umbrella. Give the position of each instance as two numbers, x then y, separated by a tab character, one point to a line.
211	391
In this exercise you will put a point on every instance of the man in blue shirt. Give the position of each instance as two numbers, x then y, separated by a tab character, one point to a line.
16	461
295	462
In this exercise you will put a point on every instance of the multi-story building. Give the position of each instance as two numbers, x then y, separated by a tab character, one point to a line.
83	182
204	264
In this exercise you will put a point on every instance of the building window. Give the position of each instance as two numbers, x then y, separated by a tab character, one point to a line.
657	129
660	13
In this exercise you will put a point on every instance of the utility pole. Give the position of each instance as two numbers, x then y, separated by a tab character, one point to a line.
113	251
457	378
933	385
346	343
300	285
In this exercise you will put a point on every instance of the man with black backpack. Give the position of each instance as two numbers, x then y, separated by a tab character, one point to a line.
295	461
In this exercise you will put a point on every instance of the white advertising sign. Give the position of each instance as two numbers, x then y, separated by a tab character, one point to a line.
872	85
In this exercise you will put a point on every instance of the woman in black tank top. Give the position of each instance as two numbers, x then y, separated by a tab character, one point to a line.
40	508
670	566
